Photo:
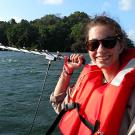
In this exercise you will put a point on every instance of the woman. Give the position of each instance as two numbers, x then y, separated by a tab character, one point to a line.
102	100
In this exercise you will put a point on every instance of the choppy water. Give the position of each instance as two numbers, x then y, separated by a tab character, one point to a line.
21	80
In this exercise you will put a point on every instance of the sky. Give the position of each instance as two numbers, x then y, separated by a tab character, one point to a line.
123	11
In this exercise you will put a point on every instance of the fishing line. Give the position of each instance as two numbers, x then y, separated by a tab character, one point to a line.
39	100
48	56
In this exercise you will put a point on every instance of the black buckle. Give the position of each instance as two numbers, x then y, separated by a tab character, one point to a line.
71	106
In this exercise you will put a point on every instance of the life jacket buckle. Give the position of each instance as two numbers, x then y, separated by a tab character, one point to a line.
71	106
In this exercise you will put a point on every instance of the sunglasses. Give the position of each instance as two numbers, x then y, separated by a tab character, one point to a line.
108	43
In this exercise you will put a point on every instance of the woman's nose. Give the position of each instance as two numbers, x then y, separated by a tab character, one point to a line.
100	47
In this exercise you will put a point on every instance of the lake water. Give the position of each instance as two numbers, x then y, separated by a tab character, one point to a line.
21	81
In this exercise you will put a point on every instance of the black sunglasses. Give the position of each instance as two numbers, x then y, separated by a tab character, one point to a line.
108	43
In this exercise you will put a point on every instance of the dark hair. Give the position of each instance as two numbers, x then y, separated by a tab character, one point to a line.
107	21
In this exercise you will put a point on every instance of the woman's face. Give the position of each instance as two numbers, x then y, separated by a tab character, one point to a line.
104	57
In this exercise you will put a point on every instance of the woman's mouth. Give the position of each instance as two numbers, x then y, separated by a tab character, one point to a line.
103	58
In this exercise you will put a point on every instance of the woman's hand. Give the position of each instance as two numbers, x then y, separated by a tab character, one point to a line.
73	62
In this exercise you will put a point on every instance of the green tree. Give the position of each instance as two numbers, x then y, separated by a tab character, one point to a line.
76	31
3	37
21	34
51	32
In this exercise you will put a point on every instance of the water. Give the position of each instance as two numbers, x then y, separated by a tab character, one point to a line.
21	80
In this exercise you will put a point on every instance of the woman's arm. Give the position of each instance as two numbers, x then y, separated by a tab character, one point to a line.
60	91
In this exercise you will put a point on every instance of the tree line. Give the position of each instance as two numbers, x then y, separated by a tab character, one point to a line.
51	32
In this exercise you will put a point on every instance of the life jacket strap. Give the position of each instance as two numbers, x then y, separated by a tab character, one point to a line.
68	107
55	123
92	127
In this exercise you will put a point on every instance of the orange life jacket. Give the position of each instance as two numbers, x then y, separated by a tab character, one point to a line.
103	102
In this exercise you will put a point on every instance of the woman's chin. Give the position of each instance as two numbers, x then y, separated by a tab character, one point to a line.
102	65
